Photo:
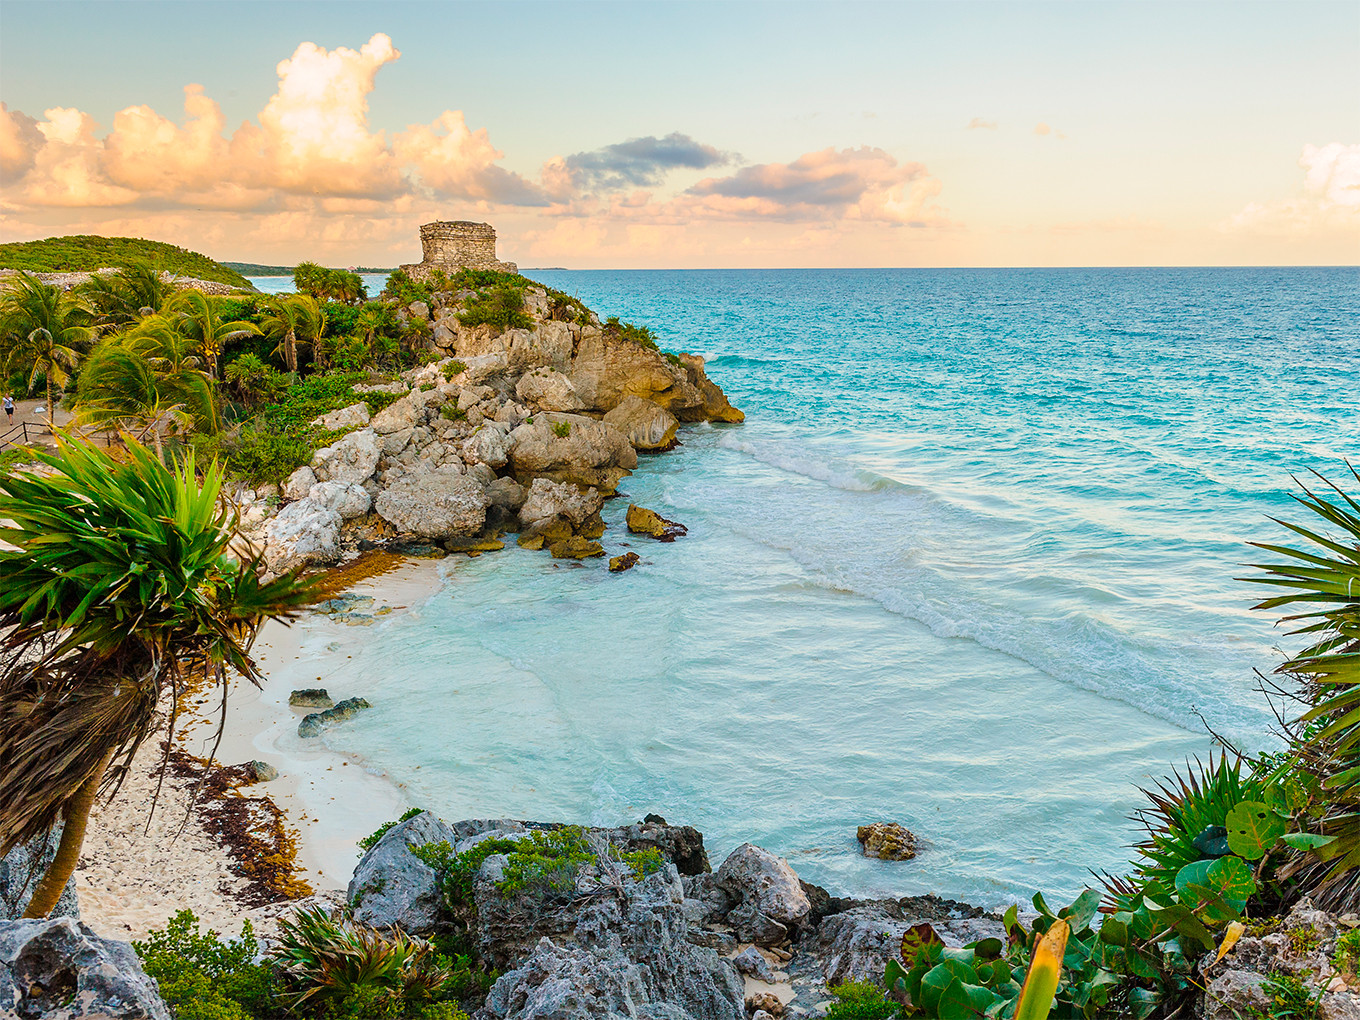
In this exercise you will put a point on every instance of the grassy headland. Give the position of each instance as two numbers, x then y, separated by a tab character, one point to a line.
79	253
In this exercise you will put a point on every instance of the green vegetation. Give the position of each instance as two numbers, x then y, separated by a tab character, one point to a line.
1290	999
43	333
88	252
561	429
324	284
203	978
1346	957
322	967
120	587
861	1000
502	308
540	859
369	842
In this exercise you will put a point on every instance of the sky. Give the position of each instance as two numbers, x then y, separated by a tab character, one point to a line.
688	135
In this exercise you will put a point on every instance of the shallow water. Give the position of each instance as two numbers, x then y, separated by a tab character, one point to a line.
969	565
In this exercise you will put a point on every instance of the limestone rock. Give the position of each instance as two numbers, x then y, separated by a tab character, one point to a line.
887	841
440	503
351	459
58	969
713	404
299	483
23	867
418	310
764	1002
261	771
345	498
571	448
346	417
303	532
391	886
647	425
607	368
642	521
403	413
489	445
625	562
770	899
752	962
575	548
506	493
310	697
312	725
548	390
548	500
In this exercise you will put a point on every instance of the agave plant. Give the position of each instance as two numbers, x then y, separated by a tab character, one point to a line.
1323	579
119	586
331	958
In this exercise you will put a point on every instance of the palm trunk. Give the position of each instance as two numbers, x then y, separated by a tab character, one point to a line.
51	422
290	352
76	815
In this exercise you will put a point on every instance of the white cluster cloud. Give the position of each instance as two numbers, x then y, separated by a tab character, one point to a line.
312	140
1330	198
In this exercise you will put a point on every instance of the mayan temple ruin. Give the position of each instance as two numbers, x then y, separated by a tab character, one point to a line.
451	245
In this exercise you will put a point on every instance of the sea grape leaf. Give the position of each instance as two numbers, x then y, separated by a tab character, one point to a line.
954	1002
1212	842
1083	908
987	949
916	938
1232	879
1253	828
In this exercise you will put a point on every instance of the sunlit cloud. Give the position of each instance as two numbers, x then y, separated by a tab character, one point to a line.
1329	199
978	122
1047	130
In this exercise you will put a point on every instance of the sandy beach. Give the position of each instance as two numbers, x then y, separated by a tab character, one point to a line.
135	874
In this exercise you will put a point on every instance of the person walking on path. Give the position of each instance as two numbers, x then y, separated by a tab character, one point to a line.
9	408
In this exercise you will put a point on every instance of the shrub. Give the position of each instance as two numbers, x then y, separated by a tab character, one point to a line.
202	977
640	335
1290	999
502	308
861	1000
369	842
452	369
1347	954
258	455
561	429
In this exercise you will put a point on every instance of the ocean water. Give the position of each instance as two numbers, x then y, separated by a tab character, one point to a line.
969	565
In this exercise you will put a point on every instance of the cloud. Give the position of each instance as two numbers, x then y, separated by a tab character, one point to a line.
1044	129
311	141
638	162
865	183
978	122
1330	198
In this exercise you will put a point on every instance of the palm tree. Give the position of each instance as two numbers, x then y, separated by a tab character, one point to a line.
43	330
196	316
119	587
293	319
129	294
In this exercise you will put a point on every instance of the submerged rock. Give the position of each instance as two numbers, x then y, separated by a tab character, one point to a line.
575	548
887	841
642	521
58	969
312	725
625	562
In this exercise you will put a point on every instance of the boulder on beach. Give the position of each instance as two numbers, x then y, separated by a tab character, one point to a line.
648	425
302	533
310	697
437	503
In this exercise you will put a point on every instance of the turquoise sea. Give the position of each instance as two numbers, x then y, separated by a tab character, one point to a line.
968	565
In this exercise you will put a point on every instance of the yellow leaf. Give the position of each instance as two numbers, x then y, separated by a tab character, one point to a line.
1041	983
1234	933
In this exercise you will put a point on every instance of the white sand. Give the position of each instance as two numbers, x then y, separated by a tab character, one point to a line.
130	881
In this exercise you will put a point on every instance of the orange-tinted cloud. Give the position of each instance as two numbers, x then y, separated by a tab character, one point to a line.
1330	199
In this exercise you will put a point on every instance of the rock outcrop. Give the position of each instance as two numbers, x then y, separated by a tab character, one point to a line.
455	457
20	871
313	724
391	886
58	969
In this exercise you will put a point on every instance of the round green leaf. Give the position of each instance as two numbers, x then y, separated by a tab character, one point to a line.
1232	879
1253	828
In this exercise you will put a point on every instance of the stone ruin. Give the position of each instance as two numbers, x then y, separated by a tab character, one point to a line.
451	245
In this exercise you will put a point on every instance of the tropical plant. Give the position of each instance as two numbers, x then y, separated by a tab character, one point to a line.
1322	579
502	308
331	958
120	587
323	284
128	294
292	320
43	332
196	316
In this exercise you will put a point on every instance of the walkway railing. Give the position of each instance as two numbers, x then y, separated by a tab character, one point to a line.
24	434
